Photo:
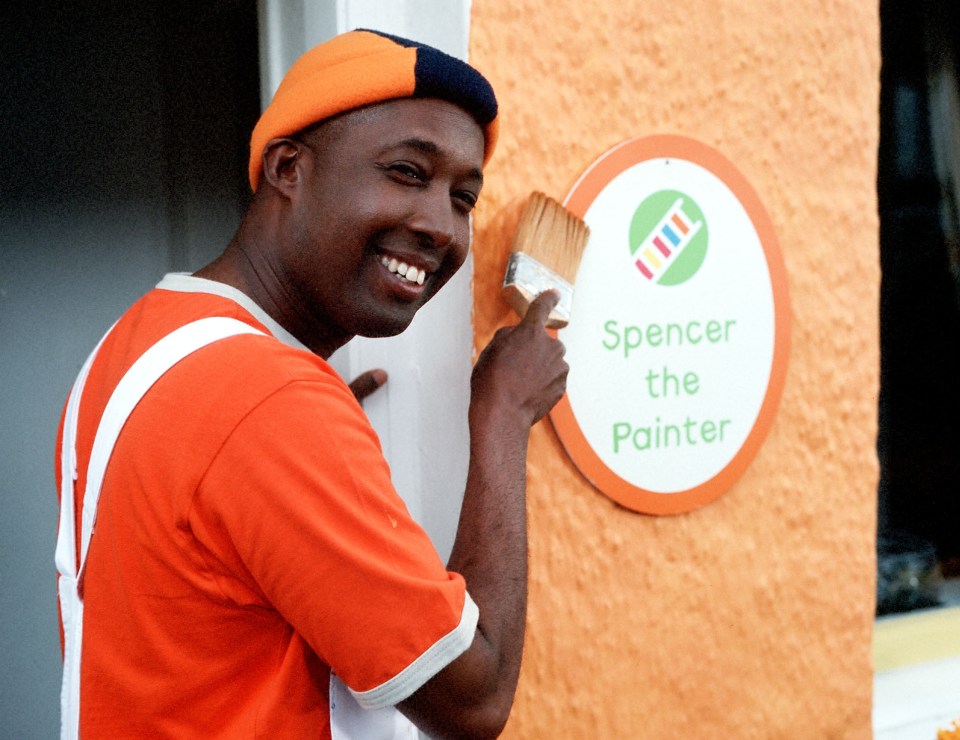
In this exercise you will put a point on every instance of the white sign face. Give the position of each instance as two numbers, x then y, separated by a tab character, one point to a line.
679	325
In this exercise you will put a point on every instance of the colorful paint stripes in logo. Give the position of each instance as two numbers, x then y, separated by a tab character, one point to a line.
666	241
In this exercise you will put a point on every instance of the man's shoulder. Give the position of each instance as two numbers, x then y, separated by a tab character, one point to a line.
243	368
250	361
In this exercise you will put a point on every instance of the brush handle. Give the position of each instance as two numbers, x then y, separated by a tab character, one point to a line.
526	278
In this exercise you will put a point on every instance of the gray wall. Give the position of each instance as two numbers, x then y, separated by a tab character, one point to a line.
122	156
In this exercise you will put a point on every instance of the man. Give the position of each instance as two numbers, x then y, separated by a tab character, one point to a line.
253	573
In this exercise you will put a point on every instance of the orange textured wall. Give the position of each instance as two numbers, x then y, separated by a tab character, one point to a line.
751	617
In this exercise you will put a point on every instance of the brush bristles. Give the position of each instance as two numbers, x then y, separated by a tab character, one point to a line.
553	236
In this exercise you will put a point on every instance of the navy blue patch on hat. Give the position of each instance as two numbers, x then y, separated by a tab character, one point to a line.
440	75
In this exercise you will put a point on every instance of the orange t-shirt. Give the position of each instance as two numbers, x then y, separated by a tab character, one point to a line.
248	542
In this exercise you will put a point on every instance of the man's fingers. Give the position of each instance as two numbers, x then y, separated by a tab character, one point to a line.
540	308
366	383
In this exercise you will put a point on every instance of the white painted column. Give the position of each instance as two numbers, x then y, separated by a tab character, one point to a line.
421	414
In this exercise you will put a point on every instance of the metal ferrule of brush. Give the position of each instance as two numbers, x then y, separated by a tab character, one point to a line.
526	278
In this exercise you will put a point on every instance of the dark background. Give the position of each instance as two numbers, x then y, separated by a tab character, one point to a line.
919	407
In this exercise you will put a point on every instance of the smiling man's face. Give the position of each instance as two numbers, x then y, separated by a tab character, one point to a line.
382	219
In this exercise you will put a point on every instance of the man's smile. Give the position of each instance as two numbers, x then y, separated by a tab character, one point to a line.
403	268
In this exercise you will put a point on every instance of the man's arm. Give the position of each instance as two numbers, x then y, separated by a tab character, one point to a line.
517	380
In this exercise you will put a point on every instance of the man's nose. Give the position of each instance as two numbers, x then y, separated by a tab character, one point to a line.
434	218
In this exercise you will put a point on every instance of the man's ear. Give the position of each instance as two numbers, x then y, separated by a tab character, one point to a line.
282	163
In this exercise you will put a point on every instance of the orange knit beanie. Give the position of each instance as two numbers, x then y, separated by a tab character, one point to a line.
362	67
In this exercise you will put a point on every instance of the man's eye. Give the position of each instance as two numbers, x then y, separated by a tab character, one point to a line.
466	199
408	171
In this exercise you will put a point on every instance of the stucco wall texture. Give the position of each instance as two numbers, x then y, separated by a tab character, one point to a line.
750	617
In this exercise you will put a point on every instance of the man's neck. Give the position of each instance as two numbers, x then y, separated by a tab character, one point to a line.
242	266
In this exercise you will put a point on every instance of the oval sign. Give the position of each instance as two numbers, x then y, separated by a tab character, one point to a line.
679	335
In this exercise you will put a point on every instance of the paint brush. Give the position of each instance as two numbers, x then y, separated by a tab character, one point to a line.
546	253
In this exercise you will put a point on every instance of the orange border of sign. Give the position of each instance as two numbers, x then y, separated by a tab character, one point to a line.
581	197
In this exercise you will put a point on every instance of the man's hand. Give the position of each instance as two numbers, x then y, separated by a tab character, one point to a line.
523	366
366	383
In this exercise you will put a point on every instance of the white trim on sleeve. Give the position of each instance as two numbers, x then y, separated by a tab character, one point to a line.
437	657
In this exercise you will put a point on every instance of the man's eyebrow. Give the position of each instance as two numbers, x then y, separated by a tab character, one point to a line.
423	145
429	147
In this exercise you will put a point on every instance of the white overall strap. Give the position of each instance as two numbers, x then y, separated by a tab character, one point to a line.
66	544
350	721
65	557
135	383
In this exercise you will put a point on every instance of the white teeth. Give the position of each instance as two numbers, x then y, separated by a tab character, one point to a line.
408	272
